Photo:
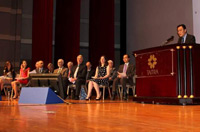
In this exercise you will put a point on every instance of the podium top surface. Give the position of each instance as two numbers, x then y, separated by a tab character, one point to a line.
171	46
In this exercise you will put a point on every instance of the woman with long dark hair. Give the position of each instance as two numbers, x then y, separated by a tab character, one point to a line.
22	79
8	74
101	78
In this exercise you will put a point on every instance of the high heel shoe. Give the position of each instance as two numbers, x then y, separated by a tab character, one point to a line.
87	98
99	97
15	97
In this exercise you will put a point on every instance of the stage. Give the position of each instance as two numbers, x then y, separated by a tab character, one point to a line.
81	115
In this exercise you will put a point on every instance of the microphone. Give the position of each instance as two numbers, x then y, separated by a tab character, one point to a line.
168	40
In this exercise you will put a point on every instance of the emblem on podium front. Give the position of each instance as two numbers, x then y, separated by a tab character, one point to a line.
152	61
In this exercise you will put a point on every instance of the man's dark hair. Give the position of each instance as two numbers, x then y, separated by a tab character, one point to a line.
127	55
182	25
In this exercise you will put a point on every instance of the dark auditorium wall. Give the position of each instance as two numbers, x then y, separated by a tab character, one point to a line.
10	31
42	31
26	39
26	31
67	30
148	24
101	30
20	45
151	22
84	30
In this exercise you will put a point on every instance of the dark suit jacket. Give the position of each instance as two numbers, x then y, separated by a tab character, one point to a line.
129	72
63	72
67	72
43	70
190	39
81	71
90	74
113	73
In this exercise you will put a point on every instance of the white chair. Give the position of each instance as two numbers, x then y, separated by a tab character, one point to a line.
128	86
8	90
73	87
104	88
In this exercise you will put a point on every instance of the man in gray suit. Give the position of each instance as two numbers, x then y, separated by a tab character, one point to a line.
63	71
184	37
125	75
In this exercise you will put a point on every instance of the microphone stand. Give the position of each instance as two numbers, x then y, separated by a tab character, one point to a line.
165	43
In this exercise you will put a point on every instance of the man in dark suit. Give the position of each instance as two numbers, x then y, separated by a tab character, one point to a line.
184	37
78	75
41	68
125	75
113	72
69	68
90	71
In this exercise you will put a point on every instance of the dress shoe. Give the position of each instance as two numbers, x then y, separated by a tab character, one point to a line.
125	96
113	96
87	98
76	98
99	97
15	97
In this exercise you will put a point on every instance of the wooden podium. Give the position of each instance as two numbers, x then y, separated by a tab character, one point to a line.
168	74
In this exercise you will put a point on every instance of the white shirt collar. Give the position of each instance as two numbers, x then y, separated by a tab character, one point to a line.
61	68
184	37
127	63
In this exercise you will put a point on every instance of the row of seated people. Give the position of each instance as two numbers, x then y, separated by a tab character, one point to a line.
78	75
10	77
105	74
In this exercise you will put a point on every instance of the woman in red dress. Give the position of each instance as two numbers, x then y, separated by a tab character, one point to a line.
22	79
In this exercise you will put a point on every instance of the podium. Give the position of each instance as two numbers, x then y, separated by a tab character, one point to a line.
168	74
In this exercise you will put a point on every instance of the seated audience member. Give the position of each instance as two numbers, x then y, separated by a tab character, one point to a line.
125	75
69	68
61	69
23	78
36	67
8	74
113	72
90	72
50	68
78	75
41	68
101	78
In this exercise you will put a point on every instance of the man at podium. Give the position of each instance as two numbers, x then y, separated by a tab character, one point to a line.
184	37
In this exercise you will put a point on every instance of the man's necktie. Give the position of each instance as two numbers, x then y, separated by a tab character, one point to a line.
76	71
182	40
69	73
125	68
59	70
